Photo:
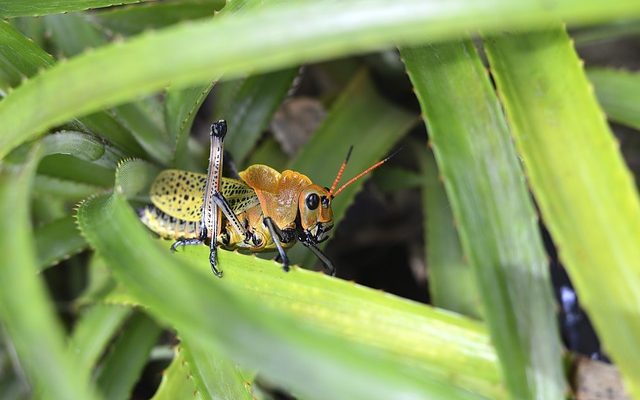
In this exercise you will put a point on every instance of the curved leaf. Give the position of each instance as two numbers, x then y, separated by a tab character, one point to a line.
193	53
132	348
135	19
251	107
94	331
58	240
495	215
618	93
586	194
451	283
177	381
25	309
16	8
215	376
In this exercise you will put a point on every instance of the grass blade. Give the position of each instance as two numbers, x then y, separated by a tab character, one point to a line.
215	376
586	194
26	312
83	147
181	106
496	218
19	57
451	283
136	19
123	366
68	190
177	381
73	34
250	109
34	8
94	331
57	241
618	93
240	46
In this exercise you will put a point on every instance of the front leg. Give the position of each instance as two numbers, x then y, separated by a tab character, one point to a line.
276	235
328	265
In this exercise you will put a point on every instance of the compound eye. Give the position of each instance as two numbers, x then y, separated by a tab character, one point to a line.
312	201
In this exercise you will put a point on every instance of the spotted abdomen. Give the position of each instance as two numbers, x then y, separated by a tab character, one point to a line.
166	226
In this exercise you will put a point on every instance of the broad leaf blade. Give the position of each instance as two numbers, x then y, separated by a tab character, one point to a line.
123	365
16	8
136	19
451	283
239	45
251	109
585	192
177	381
618	93
58	240
19	57
215	375
26	311
94	331
495	215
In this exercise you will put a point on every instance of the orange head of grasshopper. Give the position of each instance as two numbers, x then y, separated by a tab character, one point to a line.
314	202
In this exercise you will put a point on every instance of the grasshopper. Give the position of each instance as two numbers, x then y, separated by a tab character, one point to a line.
263	210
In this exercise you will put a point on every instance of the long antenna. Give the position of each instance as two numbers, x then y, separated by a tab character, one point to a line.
363	173
340	172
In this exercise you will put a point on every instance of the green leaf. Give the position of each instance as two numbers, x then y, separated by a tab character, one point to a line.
611	31
83	147
391	179
48	186
269	153
19	57
618	93
57	241
136	19
251	107
67	167
25	309
94	331
147	130
177	381
495	216
344	335
124	364
72	34
105	125
15	8
214	375
451	283
238	44
586	194
181	106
